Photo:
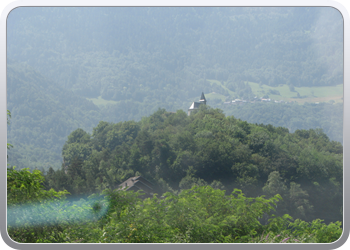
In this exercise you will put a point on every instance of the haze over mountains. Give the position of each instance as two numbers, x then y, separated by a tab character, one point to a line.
71	67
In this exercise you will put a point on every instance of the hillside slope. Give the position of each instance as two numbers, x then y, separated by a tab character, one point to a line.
43	115
137	53
175	151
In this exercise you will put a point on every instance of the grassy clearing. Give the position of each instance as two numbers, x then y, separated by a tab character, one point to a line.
307	94
101	102
214	95
222	85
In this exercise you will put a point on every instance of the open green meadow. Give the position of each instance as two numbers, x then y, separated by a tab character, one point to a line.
215	95
101	102
283	92
306	94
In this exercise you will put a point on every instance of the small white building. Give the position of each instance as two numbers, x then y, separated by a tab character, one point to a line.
195	105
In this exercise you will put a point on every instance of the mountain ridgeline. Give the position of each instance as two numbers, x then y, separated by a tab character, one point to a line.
175	151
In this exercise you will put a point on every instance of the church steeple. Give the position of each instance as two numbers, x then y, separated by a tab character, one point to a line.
202	99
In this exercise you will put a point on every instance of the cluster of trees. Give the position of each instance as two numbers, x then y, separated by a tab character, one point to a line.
197	215
175	151
324	115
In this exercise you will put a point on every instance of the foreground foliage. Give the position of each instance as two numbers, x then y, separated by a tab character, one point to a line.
198	215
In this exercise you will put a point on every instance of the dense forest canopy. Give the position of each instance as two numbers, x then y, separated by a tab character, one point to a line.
131	61
43	114
324	115
119	49
176	151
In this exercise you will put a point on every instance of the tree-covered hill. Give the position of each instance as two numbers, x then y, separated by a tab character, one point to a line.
44	114
175	151
327	116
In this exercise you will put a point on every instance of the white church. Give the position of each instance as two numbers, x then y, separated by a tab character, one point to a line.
195	105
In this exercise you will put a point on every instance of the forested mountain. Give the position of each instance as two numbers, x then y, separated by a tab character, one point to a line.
133	53
132	61
175	151
43	114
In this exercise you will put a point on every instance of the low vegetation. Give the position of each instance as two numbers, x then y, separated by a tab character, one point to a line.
197	215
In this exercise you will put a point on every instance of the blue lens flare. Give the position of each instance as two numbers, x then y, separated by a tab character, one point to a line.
57	212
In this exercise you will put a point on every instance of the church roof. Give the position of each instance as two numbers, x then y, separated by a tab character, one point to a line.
195	105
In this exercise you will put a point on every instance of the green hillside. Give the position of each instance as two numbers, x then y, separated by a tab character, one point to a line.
99	101
306	94
127	53
43	115
175	151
